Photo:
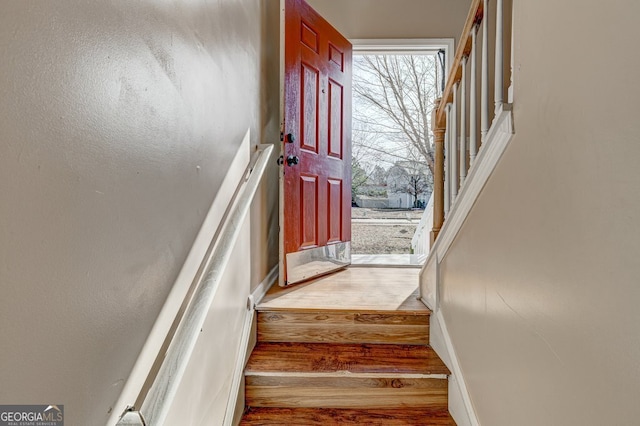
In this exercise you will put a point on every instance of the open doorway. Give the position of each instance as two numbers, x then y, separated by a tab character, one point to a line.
316	131
395	84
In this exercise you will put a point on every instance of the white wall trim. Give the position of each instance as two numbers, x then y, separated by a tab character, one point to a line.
394	45
460	405
406	46
261	290
430	273
238	370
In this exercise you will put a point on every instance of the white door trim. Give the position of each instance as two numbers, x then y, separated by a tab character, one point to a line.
408	46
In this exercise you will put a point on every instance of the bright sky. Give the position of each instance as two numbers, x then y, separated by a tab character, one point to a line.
377	139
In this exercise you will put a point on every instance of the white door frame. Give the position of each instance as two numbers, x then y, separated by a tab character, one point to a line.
406	46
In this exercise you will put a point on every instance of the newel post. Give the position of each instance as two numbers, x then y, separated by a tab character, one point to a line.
438	129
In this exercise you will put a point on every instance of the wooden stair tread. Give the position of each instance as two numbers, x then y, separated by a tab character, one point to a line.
400	310
317	358
329	416
337	316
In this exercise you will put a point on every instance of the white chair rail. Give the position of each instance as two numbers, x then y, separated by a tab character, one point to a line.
154	402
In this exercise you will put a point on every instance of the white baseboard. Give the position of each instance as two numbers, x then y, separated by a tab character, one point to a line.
243	353
460	405
238	370
261	290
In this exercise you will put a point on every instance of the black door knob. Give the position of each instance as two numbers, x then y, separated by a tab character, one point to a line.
292	160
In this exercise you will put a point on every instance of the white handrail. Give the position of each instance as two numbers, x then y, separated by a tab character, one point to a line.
157	401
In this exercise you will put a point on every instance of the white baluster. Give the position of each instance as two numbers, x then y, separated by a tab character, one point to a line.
473	99
484	96
454	144
510	91
499	83
447	160
463	123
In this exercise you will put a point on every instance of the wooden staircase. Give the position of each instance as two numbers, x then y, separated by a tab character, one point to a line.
328	366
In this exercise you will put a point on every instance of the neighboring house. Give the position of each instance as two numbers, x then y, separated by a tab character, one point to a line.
409	184
121	123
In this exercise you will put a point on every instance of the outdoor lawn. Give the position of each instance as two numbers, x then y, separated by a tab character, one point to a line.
383	231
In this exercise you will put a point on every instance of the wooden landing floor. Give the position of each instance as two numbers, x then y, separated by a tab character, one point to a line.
355	288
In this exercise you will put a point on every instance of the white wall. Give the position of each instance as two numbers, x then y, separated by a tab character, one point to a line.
118	122
540	290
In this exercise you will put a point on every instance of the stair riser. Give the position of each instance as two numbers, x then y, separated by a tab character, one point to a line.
345	392
312	327
331	416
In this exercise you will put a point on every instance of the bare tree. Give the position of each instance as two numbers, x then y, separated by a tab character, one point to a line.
379	175
417	186
410	177
393	99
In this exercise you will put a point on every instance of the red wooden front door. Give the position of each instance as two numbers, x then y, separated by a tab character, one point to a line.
316	148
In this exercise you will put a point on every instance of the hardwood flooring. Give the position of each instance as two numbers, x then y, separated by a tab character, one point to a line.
340	358
355	288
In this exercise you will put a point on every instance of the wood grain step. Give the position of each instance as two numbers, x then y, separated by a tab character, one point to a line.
302	358
345	376
345	392
336	326
327	417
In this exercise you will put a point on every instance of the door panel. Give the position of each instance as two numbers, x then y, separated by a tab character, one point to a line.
336	117
315	228
309	104
334	210
309	211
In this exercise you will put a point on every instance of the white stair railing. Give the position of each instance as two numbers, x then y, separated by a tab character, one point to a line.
455	119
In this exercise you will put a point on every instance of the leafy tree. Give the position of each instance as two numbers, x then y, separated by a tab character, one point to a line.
358	178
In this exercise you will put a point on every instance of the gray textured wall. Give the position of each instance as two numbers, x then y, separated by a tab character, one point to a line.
118	121
540	289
